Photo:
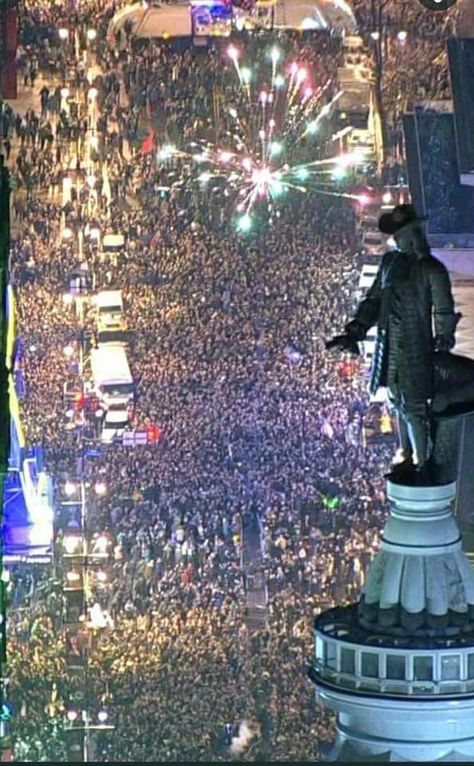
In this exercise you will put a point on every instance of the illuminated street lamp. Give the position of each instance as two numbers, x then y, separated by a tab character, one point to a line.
70	488
68	299
63	33
100	545
73	577
92	93
91	34
67	233
100	488
72	544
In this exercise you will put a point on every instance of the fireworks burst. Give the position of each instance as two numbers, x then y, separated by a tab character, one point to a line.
268	137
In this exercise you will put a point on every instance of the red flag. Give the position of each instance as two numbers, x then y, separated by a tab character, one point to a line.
147	145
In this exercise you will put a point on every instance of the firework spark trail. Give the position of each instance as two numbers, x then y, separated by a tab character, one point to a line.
267	145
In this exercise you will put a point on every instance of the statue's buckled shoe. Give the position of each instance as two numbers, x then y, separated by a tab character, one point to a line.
401	471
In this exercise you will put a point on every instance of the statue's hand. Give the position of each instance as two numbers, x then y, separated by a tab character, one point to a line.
343	343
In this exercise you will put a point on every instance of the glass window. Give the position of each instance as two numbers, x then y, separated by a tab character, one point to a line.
450	667
423	668
347	661
370	665
470	666
319	648
330	650
396	666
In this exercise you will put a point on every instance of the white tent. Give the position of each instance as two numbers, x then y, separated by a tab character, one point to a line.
174	20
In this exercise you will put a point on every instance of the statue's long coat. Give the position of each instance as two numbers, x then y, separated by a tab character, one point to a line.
406	351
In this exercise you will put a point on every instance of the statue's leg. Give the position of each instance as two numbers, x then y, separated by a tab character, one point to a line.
416	415
403	457
404	444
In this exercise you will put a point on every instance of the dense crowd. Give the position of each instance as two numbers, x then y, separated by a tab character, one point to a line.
227	351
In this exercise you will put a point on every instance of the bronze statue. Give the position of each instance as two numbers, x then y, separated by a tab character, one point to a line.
412	304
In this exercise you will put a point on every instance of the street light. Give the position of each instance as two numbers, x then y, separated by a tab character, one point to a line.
100	488
63	34
91	34
92	93
70	489
67	233
73	577
72	544
100	545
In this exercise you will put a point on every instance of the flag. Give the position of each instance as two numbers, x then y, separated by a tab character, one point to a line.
147	145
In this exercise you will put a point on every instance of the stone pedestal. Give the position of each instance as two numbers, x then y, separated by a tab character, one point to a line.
398	667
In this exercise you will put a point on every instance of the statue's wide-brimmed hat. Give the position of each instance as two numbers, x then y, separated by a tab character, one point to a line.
401	216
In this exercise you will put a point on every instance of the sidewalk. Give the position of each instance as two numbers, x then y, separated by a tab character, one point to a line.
29	98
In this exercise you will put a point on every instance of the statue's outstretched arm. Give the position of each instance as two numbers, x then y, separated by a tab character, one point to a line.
368	310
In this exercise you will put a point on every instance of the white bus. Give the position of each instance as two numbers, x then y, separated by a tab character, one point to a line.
111	375
109	305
